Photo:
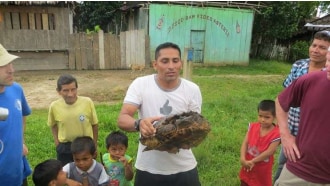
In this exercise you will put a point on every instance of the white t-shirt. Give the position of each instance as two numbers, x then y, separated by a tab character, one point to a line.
154	101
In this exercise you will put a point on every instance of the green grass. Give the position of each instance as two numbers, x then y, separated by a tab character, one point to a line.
255	67
230	98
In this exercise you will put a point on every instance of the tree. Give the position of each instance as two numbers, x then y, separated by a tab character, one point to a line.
276	24
324	7
282	19
89	14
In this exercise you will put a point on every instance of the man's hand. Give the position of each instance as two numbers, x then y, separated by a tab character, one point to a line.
25	150
290	148
146	126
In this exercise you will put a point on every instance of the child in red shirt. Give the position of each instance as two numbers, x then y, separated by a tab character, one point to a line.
259	146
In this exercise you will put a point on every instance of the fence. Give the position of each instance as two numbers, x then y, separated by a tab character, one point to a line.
108	51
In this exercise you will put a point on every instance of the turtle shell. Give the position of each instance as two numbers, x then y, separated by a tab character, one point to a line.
184	131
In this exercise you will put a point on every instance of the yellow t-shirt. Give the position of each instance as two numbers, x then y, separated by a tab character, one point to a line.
73	120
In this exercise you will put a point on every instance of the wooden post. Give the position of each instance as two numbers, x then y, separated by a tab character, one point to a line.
101	49
187	65
44	20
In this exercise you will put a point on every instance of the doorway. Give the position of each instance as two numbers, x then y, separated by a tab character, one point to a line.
197	42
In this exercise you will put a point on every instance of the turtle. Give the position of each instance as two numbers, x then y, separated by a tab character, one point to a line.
185	130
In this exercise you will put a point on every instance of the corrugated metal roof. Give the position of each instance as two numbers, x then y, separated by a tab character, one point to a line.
254	5
321	19
316	27
34	3
322	23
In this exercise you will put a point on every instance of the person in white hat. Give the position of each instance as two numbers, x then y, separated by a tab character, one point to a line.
12	148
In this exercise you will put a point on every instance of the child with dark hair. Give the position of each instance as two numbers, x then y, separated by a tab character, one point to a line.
117	163
50	173
85	169
259	146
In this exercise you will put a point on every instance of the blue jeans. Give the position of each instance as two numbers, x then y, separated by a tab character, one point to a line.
281	161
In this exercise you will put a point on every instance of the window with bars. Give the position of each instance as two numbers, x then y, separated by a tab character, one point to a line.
30	21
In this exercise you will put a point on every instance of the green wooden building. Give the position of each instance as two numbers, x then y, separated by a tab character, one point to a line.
216	35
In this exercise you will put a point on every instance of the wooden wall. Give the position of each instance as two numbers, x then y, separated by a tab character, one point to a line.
37	34
108	51
95	51
40	35
34	28
43	60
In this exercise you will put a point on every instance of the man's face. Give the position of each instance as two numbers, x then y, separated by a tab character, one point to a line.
318	50
69	93
6	75
168	65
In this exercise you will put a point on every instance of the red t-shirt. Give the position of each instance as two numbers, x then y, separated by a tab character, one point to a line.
312	93
261	174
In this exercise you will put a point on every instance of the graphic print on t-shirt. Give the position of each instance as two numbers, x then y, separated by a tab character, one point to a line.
166	109
82	118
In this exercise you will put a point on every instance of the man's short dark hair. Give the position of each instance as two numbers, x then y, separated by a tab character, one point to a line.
65	79
322	35
167	45
46	171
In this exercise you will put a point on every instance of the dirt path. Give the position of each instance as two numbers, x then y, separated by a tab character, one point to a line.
103	86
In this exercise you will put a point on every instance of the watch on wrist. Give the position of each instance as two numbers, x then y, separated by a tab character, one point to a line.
137	124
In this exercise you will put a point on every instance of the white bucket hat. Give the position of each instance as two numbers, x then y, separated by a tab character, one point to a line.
5	57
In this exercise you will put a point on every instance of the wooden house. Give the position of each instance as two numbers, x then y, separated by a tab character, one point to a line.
322	23
38	32
215	33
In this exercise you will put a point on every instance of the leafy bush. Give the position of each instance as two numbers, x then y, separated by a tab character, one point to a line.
97	28
299	50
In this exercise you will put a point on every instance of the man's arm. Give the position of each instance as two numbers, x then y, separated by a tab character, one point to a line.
55	134
94	123
288	80
126	121
95	129
289	146
25	149
126	117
